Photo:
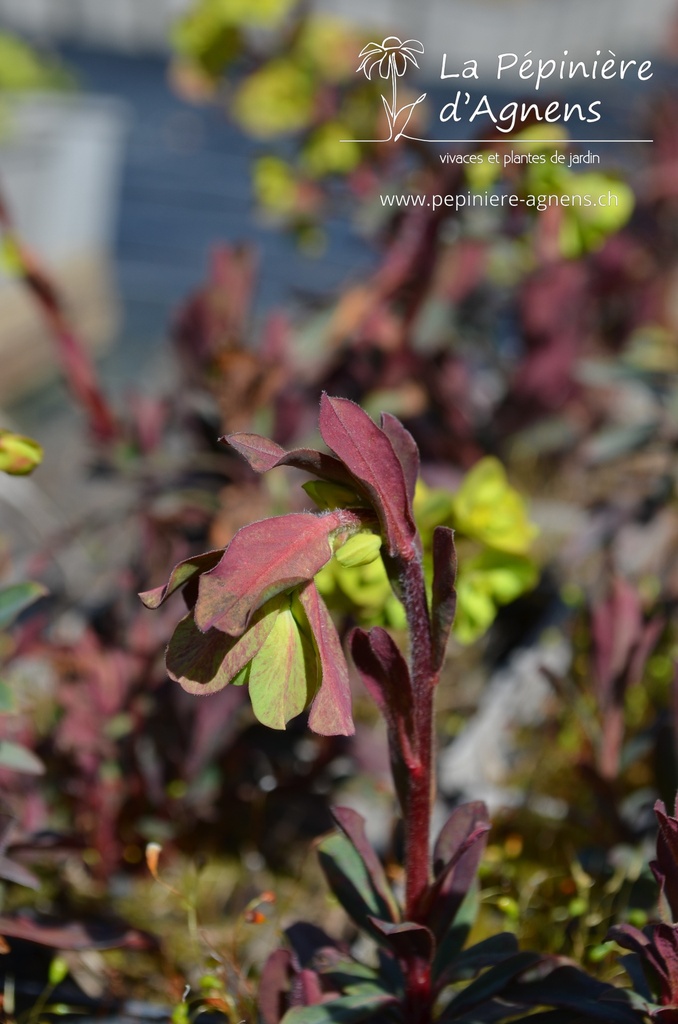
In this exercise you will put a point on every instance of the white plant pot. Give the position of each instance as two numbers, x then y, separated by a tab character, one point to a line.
60	163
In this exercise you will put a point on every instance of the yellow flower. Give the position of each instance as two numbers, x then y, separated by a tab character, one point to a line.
488	509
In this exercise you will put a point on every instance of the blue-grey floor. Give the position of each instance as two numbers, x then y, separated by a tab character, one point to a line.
186	186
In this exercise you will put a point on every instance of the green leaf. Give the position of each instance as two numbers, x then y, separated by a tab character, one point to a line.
346	1010
22	68
586	228
7	699
345	973
204	663
455	939
20	759
349	880
58	969
284	674
491	984
352	825
471	961
330	150
15	599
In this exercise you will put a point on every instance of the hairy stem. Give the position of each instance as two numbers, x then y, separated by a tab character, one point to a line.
420	795
418	996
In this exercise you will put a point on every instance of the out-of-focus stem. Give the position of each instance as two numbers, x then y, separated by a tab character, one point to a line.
75	360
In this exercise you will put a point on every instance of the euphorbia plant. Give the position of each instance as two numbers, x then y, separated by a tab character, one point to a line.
256	617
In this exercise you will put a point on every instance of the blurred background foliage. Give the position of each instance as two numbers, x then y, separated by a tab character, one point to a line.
532	354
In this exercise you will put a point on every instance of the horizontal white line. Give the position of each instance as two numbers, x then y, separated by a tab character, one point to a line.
491	142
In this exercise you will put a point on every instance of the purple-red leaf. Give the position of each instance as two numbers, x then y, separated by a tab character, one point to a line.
456	856
265	559
491	985
408	941
180	575
75	934
331	708
350	881
461	823
352	825
10	871
487	953
628	937
405	448
663	951
368	454
616	626
308	941
665	867
386	677
444	603
264	455
274	986
568	987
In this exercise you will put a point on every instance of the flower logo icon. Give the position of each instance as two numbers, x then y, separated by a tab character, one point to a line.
391	58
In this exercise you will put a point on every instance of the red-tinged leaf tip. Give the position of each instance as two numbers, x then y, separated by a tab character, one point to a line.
180	575
274	984
462	823
264	559
665	867
386	677
264	455
405	448
369	455
616	625
331	709
408	940
261	453
75	935
456	856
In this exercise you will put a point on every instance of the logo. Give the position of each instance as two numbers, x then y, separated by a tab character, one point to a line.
390	59
505	119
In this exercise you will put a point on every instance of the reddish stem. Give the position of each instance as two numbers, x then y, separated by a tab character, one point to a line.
424	679
420	792
77	364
